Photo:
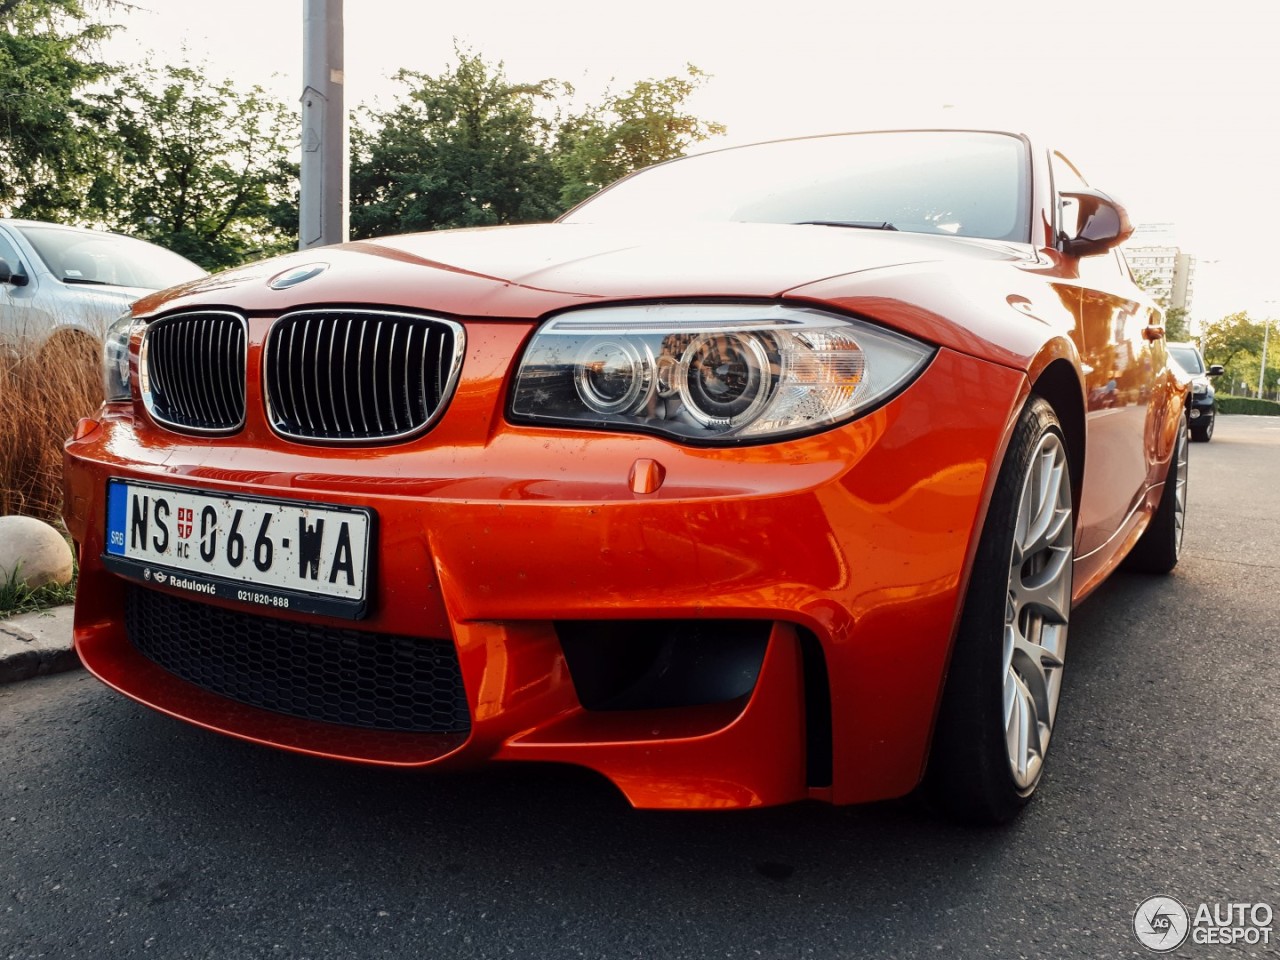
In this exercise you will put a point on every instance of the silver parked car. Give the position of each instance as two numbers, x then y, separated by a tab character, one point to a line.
68	282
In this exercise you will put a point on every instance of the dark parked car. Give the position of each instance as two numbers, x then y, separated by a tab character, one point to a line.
1202	407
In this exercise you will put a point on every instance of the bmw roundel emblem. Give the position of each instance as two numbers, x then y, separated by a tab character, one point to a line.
296	275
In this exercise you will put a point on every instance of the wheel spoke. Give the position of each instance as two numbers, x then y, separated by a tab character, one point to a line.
1024	734
1045	520
1046	590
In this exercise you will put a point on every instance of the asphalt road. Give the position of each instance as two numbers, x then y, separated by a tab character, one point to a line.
126	834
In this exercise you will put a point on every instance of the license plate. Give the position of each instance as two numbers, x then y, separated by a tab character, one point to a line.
282	554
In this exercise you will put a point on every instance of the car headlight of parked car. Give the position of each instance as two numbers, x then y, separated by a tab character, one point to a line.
1199	389
710	372
115	359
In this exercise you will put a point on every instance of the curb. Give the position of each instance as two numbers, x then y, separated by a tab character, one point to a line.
36	644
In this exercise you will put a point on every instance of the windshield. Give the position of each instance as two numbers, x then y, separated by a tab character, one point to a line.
88	257
966	184
1188	358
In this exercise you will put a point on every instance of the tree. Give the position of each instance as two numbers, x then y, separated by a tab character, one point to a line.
50	132
468	148
646	125
1235	341
1231	337
1176	326
471	148
202	167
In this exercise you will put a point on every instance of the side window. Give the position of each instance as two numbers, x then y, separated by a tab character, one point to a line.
9	254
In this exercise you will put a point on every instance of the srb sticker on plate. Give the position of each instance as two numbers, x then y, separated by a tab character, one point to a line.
275	553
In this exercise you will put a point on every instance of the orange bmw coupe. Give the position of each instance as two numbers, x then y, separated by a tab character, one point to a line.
765	474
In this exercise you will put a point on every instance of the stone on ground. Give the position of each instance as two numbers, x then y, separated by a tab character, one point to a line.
35	550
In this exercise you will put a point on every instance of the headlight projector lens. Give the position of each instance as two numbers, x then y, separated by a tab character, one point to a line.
724	377
613	376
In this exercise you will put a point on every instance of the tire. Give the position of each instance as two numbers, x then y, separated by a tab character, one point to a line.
1202	430
1160	546
1001	696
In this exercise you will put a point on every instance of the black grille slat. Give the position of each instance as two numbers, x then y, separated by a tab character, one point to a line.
373	381
347	376
349	423
359	375
204	384
347	677
195	372
407	405
216	389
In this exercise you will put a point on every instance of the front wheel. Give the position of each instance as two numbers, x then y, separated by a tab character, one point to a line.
1202	429
1001	697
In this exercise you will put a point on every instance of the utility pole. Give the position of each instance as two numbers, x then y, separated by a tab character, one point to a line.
323	216
1262	374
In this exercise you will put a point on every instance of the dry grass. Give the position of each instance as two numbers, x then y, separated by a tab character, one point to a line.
43	392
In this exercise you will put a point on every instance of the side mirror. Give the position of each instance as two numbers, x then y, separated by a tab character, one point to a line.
8	276
1103	224
1216	370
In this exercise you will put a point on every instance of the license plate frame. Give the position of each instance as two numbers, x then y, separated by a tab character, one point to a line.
148	552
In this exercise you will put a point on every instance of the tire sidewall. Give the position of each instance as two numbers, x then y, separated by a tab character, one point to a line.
970	754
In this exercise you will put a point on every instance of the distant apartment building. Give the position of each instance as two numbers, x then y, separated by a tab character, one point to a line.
1167	272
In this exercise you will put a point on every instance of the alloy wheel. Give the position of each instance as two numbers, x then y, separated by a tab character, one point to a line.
1037	610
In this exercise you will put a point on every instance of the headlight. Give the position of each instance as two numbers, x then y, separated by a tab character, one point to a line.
115	359
1199	389
710	372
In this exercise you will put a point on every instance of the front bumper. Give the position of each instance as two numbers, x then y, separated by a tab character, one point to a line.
1201	406
852	546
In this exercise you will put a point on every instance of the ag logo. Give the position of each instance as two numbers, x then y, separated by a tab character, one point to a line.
1161	923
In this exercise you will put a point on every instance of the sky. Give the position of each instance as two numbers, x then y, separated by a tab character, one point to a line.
1174	109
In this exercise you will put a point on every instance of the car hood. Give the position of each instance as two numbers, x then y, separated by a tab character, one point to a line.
106	296
523	272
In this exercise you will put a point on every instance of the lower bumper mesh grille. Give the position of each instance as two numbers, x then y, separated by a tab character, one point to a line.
357	679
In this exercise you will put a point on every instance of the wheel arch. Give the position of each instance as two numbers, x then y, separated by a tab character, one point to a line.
1058	383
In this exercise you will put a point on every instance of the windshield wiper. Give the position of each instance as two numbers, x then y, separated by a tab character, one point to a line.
86	281
859	224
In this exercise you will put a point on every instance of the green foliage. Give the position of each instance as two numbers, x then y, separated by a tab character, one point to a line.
1248	405
17	598
644	126
169	154
1177	329
174	156
467	148
471	148
1230	337
1236	342
50	134
202	167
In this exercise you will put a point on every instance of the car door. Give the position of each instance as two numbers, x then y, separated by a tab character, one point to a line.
1120	354
18	302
